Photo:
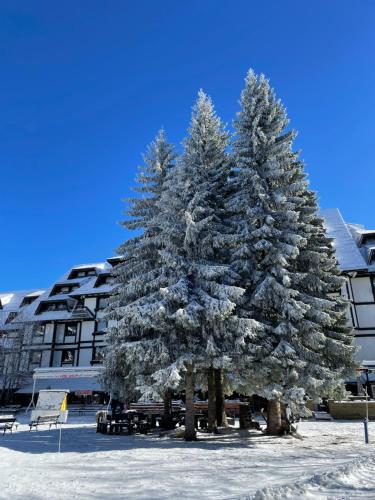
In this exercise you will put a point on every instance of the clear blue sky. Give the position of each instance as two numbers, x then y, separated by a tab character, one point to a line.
85	86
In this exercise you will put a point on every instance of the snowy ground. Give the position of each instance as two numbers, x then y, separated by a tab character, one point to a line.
330	462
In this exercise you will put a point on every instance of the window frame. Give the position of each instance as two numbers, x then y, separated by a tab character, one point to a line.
100	331
105	297
66	328
95	350
32	363
65	363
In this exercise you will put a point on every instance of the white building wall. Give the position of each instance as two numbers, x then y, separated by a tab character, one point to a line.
366	316
45	359
57	358
362	289
87	330
48	334
85	356
366	348
90	302
60	328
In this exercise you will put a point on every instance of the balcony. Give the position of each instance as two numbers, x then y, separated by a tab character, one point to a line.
81	312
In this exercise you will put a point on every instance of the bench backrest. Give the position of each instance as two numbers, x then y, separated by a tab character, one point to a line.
47	418
157	408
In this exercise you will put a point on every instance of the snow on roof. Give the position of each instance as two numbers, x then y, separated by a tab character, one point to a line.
12	302
89	288
347	252
98	265
34	294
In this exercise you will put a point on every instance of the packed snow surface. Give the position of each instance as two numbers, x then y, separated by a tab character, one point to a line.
330	462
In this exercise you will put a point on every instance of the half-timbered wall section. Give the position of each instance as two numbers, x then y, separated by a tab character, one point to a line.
355	249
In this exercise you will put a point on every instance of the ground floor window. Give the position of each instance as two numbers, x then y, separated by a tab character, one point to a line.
97	355
67	357
35	359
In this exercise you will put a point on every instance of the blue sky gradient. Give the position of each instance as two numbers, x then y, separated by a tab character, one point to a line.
86	85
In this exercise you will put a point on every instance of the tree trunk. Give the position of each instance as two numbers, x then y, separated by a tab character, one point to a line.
221	417
190	433
274	423
212	425
167	421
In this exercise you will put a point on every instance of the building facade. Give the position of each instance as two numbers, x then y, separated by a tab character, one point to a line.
60	330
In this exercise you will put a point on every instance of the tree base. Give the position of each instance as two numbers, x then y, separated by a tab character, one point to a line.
190	436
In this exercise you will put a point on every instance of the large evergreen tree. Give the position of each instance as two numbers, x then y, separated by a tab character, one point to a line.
135	350
197	310
300	326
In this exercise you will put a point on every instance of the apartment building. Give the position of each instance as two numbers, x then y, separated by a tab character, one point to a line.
59	332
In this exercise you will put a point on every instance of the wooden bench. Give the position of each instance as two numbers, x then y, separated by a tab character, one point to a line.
6	423
44	420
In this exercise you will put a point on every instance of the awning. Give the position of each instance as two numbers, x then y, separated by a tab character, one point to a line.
73	384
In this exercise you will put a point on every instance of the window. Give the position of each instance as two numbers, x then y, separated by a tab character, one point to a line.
28	300
101	326
51	306
103	302
97	355
70	331
40	330
35	359
63	289
81	273
104	280
67	357
11	317
80	304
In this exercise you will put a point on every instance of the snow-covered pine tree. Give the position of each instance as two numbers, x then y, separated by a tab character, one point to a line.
197	310
327	339
267	204
134	348
266	229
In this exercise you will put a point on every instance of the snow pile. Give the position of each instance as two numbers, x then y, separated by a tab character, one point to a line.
353	480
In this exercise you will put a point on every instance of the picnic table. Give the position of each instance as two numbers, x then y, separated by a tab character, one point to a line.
131	421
